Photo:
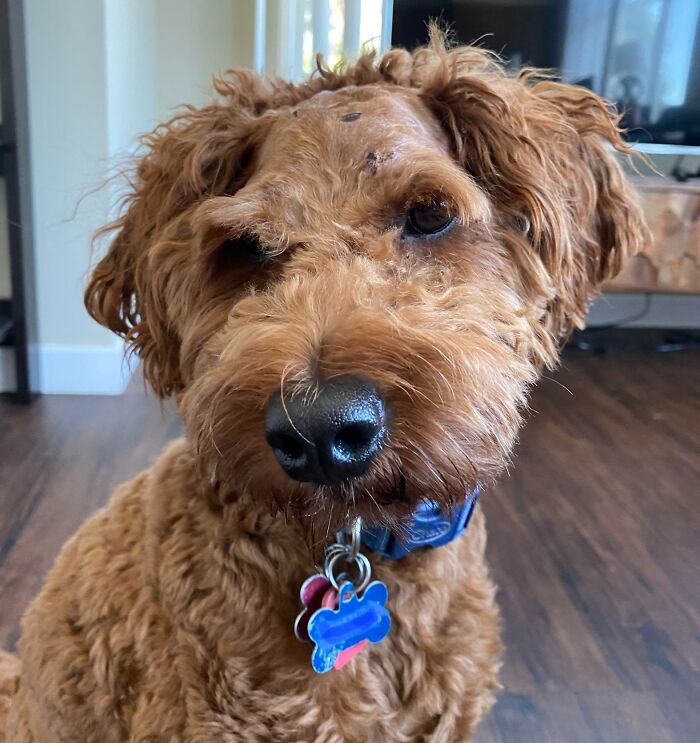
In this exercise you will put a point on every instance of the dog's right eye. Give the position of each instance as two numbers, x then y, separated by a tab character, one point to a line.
247	247
428	219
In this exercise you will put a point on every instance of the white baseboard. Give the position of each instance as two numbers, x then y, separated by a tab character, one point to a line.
73	370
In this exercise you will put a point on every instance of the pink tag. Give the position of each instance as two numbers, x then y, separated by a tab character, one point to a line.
312	593
330	599
345	656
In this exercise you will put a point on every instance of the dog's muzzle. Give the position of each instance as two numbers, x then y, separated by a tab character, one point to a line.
329	436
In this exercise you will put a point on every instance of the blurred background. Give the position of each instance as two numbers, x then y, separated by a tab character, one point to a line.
82	80
87	77
594	535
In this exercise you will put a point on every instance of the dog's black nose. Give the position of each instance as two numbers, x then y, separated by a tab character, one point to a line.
330	436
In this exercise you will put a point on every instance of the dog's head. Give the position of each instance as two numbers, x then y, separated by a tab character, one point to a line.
351	283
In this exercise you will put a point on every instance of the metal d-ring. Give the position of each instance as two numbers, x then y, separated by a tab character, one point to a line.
347	548
355	536
363	566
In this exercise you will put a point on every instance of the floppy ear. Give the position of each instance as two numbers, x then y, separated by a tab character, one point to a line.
200	153
563	208
613	219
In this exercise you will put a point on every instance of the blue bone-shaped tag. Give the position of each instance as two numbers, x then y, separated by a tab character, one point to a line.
355	620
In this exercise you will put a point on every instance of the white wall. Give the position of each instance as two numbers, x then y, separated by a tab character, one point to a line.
195	41
67	87
80	117
100	73
131	72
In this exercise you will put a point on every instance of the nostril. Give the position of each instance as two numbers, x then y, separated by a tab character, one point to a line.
291	449
330	438
356	440
354	435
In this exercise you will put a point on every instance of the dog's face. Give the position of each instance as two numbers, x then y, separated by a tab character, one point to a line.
351	284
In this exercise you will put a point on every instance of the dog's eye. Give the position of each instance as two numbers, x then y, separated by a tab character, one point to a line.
246	247
428	218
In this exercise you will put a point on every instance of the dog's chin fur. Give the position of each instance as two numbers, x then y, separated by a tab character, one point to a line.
264	248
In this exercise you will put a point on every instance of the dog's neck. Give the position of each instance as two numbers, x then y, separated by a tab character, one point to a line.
429	526
236	523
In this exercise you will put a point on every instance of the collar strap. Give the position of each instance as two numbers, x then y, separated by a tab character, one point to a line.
429	527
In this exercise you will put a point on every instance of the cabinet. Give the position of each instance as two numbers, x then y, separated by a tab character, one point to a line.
17	315
671	264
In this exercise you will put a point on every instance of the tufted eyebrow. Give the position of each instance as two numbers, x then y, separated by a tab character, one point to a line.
423	176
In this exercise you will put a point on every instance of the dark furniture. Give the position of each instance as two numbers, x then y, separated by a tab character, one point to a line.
17	314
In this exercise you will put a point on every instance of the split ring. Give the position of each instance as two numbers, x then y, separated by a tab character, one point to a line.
363	567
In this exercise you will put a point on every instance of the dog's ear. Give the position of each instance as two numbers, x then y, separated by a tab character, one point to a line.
543	152
607	207
200	153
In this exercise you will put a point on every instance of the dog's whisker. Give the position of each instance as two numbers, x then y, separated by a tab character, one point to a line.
556	381
284	406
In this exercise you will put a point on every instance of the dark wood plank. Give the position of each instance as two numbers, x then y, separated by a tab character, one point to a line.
59	461
594	538
595	543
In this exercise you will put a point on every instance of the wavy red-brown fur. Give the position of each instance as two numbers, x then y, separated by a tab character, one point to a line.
168	616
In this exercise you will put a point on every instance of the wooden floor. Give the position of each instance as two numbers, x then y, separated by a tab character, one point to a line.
594	538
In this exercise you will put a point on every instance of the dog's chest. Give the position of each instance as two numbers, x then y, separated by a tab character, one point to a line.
255	680
268	685
245	677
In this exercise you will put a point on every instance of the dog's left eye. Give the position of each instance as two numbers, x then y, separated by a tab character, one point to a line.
247	248
428	218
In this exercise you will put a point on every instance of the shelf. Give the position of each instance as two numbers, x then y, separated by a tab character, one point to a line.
17	322
648	148
664	184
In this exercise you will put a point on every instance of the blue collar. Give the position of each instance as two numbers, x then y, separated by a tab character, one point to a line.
430	527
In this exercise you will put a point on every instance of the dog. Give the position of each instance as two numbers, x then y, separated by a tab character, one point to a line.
349	286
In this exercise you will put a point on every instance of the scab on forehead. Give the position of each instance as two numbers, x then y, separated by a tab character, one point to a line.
373	160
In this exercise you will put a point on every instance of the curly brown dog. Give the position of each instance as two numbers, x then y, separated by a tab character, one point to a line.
349	286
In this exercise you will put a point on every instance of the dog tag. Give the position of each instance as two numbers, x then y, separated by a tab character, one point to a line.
340	633
340	616
312	594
